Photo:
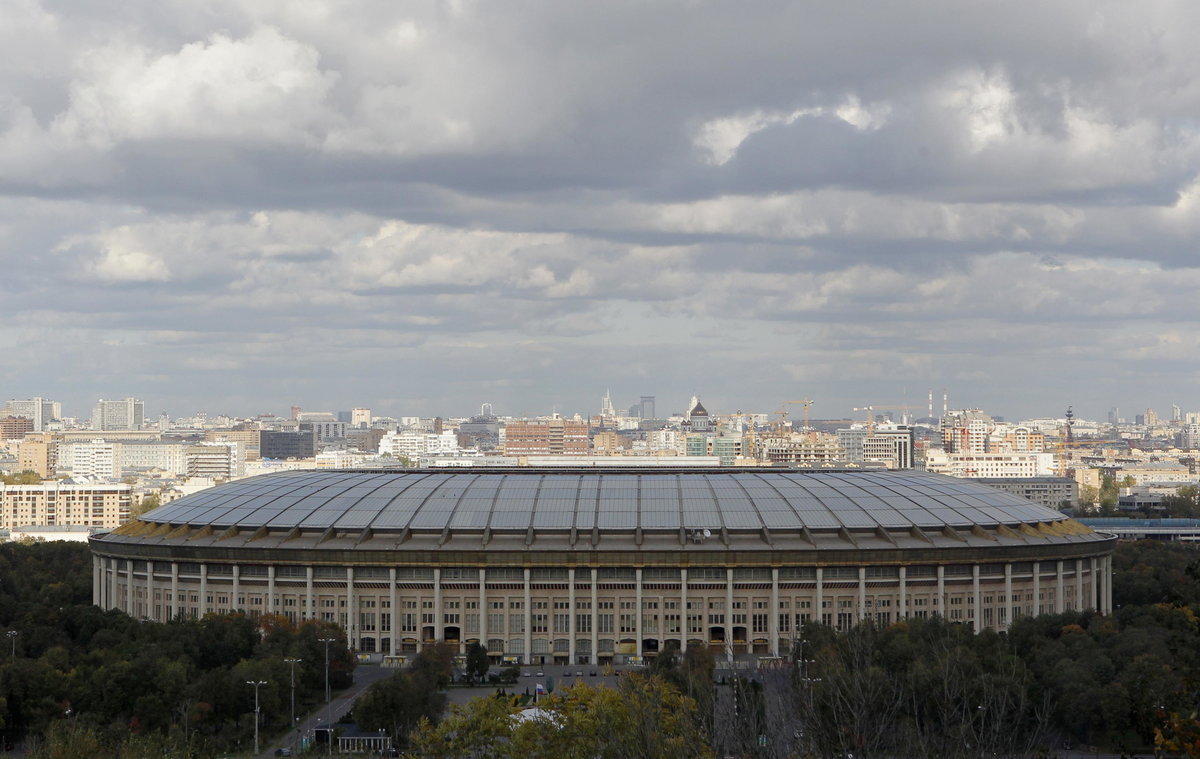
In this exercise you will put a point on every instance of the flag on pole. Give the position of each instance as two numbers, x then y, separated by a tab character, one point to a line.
541	689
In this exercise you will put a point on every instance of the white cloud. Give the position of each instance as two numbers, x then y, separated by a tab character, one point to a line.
120	265
264	86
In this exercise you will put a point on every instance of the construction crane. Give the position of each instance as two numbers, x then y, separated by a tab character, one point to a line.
806	403
871	414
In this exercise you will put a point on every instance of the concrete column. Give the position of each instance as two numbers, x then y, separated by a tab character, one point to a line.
683	615
112	583
1058	591
1037	588
309	601
270	599
820	611
396	608
483	623
352	612
96	583
978	597
1108	584
1094	577
637	620
729	613
862	593
1079	585
150	591
528	619
571	616
941	592
129	586
903	610
773	617
438	632
1008	595
174	589
237	588
203	604
595	622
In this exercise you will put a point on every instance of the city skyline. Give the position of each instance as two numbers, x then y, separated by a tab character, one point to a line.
667	406
240	208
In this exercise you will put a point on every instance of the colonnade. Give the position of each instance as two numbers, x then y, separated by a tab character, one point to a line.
598	616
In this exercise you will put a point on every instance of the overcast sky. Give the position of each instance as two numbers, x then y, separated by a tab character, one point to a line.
237	206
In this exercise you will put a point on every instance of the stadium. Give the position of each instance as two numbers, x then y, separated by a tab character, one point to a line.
591	566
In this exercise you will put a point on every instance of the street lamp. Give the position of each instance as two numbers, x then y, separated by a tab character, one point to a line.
256	683
292	663
328	710
12	635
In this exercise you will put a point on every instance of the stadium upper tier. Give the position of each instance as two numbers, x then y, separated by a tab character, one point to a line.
521	500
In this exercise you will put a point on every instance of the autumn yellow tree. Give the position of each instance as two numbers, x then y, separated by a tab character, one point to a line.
645	718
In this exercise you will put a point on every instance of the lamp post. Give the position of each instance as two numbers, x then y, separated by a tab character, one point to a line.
328	710
256	684
12	635
292	663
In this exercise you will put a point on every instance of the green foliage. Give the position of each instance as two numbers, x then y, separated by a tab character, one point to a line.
477	661
400	702
644	717
23	478
1109	494
147	503
135	687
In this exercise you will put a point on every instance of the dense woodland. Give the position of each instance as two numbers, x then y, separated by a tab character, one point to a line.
75	676
82	682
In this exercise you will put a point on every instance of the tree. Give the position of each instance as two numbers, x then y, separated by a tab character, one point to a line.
645	717
398	704
26	477
147	503
477	661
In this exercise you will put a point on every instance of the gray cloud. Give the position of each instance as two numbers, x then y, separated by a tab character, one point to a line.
239	206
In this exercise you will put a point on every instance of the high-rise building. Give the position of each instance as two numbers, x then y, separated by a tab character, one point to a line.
125	414
287	445
98	459
39	453
325	430
550	437
57	503
15	427
360	418
220	461
647	407
40	410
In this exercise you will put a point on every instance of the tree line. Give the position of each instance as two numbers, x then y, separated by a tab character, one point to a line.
79	677
918	688
72	675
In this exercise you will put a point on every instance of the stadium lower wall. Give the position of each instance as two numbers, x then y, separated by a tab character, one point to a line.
581	615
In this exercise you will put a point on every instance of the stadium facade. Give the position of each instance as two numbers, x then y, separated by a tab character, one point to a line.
589	566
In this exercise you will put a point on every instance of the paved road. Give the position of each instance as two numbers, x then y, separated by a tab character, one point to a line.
364	676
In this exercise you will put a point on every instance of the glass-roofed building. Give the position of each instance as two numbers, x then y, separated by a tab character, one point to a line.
591	566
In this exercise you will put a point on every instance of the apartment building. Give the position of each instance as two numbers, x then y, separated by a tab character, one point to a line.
548	437
58	503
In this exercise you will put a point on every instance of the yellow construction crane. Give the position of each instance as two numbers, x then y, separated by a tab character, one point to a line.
806	403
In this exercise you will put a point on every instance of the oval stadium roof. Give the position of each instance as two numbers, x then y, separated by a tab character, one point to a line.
601	499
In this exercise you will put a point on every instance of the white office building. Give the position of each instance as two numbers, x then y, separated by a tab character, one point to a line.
125	414
40	410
